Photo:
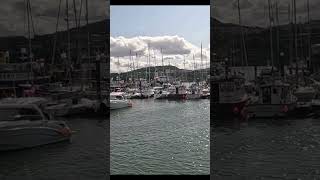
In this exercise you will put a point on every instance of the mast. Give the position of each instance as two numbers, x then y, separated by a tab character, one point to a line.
184	67
155	64
194	69
69	47
201	69
118	68
295	39
278	37
243	44
271	35
131	67
309	37
88	38
163	69
29	39
149	62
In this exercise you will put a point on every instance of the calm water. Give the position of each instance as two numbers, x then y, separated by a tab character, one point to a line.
84	158
161	137
283	149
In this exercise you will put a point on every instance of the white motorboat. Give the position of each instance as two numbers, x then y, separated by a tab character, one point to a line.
69	107
25	126
118	101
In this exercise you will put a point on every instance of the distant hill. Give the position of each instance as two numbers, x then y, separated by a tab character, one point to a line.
42	45
226	42
170	71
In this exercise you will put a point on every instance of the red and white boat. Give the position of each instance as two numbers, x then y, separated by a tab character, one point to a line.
229	98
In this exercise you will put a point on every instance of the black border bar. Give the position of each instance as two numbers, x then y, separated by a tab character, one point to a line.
159	2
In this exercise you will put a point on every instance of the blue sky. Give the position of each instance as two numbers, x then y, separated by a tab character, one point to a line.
189	22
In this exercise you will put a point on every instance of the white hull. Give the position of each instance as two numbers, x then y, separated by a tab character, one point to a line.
65	109
27	136
268	110
118	104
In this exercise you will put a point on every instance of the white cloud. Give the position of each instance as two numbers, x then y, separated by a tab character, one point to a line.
176	51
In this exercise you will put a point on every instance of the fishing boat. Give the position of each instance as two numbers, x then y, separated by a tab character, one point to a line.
193	92
25	126
118	101
229	98
275	99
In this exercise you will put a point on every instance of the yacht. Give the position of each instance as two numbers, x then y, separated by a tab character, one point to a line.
118	101
70	107
25	126
229	98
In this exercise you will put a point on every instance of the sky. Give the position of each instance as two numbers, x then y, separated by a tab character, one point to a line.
44	12
255	12
177	31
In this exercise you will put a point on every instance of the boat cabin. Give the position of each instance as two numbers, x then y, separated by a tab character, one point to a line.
275	93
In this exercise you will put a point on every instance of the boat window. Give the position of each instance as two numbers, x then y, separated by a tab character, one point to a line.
266	95
275	91
119	97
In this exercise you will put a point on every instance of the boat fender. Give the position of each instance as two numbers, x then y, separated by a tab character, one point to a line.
235	110
244	113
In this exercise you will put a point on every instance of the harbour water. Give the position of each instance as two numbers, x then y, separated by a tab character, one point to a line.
161	137
82	158
267	149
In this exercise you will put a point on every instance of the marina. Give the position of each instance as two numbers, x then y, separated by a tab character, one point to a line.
264	76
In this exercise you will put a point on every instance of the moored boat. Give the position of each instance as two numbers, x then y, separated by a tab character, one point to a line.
25	126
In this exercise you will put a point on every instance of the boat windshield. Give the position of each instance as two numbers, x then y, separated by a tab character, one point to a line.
116	97
16	114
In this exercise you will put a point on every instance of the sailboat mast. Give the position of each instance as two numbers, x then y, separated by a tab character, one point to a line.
271	35
88	38
194	69
295	39
149	62
29	40
184	67
278	37
309	35
243	44
163	69
201	69
131	67
155	63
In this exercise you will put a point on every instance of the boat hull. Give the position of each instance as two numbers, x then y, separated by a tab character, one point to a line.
27	137
229	111
114	104
269	110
